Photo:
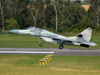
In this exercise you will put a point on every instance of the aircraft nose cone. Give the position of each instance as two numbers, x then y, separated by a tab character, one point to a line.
14	31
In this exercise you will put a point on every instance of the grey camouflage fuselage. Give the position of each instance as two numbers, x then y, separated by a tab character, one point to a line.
82	39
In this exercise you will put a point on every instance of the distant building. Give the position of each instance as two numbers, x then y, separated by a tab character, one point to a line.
86	7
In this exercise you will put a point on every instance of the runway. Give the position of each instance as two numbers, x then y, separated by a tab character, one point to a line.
46	51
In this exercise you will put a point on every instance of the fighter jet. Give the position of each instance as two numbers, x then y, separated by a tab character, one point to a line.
82	39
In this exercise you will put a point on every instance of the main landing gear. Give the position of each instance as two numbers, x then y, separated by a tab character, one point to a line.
61	46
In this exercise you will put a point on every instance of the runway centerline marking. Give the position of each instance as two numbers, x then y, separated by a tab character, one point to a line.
25	52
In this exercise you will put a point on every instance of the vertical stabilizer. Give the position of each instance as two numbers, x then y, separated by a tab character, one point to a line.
86	34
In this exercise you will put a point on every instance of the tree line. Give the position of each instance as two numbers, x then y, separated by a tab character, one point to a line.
54	15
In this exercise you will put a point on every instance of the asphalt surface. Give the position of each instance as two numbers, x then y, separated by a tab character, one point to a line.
46	51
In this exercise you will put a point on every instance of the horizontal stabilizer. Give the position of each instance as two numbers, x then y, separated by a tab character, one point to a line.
90	43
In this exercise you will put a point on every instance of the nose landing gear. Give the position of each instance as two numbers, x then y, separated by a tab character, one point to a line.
40	44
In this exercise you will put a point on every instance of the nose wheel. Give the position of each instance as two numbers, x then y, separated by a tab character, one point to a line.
40	44
61	46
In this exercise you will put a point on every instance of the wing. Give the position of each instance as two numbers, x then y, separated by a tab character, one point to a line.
47	39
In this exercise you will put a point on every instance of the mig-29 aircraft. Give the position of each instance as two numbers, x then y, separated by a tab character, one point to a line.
82	39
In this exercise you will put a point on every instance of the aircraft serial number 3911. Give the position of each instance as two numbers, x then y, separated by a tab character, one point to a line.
82	39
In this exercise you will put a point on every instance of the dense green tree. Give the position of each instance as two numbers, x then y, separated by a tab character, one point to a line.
85	2
2	3
47	2
63	14
17	9
96	9
11	24
60	8
23	17
50	17
59	15
76	14
36	9
77	1
92	17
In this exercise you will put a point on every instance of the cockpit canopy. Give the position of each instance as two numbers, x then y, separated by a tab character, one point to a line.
35	29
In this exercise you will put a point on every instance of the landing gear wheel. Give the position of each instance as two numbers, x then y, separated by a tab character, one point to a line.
40	44
61	46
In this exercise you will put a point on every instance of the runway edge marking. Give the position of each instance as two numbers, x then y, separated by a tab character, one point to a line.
25	52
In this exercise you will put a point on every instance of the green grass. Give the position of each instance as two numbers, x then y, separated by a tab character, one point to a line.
59	65
21	41
24	41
